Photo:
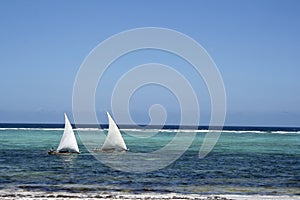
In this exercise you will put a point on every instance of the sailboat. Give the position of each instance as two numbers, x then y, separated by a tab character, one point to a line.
114	140
68	143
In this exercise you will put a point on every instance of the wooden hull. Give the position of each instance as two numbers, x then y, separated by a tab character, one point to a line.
61	153
110	150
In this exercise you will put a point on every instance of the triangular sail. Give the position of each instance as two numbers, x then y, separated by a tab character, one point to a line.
114	139
68	140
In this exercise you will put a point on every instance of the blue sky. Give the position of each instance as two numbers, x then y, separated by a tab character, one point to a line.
255	45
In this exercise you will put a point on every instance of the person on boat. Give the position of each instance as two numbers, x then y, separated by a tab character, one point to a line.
51	150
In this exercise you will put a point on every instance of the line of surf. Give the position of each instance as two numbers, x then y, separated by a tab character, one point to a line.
156	130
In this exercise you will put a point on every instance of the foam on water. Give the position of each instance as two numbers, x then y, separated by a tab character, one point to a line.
159	130
31	129
88	129
262	132
38	195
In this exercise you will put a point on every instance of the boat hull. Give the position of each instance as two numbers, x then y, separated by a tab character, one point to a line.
61	153
110	150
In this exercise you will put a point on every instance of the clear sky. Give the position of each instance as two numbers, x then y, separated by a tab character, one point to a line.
254	43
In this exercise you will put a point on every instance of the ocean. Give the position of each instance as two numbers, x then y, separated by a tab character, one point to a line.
245	161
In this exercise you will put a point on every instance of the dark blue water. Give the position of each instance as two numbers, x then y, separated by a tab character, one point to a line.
242	162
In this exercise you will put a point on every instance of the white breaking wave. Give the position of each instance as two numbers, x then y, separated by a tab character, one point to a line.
87	129
32	129
262	132
157	130
10	194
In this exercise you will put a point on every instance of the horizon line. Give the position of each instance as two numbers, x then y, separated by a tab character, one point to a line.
145	126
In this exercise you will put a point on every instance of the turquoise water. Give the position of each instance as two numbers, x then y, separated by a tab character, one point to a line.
241	163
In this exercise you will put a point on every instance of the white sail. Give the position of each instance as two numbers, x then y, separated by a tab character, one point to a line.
114	139
68	140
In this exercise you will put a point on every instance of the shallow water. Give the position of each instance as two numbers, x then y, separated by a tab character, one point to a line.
240	163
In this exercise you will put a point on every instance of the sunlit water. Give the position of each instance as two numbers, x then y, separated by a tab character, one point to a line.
240	163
